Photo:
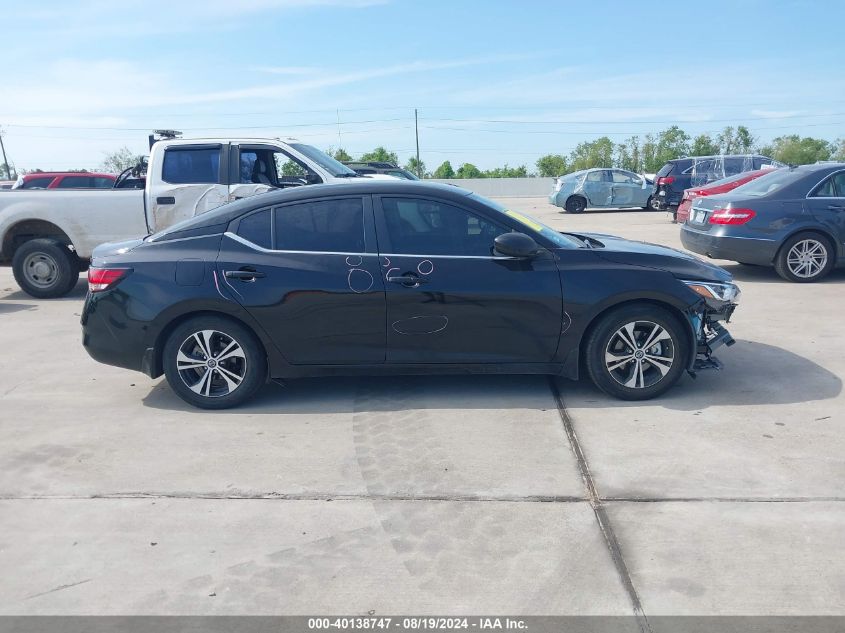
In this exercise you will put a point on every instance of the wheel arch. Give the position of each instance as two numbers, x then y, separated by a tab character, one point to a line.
670	307
821	230
153	362
25	230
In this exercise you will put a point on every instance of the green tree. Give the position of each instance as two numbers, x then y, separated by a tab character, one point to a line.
840	150
651	161
628	155
11	175
552	165
120	159
672	143
507	172
795	150
292	168
381	155
468	170
416	167
739	141
340	154
703	145
444	170
598	153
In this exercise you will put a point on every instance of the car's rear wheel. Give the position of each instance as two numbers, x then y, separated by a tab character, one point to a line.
654	204
805	258
636	352
648	204
214	363
576	204
45	268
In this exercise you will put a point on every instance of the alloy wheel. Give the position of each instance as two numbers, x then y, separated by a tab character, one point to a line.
639	354
211	363
807	258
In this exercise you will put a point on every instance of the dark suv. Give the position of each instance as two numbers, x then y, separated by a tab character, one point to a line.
376	167
696	171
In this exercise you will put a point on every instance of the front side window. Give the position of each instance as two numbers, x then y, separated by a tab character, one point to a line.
191	165
620	177
329	226
426	227
75	182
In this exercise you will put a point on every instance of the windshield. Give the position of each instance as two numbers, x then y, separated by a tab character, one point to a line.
559	239
325	161
770	182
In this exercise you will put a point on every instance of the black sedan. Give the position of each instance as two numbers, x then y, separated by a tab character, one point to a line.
792	219
383	277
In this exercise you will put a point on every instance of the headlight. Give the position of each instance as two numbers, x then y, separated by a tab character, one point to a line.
715	290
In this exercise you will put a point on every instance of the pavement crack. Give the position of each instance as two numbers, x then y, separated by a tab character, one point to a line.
59	588
599	510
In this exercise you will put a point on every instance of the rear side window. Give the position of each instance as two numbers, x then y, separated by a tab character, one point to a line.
665	170
255	228
188	165
37	183
329	226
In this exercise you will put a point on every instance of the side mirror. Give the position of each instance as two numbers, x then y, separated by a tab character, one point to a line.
516	245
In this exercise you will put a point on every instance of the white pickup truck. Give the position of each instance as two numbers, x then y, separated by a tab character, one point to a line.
49	234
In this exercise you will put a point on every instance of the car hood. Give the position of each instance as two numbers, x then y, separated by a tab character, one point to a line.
676	262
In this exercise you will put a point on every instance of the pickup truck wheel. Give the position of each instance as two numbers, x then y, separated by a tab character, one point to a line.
636	352
45	268
214	363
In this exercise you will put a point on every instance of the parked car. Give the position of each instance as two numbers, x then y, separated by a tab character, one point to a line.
6	184
696	171
65	180
381	277
580	190
377	167
49	235
720	186
792	219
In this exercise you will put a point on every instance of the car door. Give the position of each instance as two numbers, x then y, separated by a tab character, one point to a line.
450	299
626	189
192	182
597	187
826	202
309	273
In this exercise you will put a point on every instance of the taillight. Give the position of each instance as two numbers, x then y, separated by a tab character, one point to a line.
665	180
100	279
731	216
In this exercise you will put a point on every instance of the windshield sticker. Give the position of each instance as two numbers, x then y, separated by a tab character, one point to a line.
531	224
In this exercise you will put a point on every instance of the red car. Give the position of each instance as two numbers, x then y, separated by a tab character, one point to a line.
720	186
65	180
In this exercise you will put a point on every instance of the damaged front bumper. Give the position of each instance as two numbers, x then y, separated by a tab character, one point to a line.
709	333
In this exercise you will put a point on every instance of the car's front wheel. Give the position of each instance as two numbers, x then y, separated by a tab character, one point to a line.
636	352
805	258
213	362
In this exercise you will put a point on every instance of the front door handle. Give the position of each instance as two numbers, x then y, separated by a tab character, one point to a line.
407	280
245	275
166	200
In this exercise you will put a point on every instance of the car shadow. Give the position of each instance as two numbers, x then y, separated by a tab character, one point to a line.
349	394
8	308
78	292
754	374
767	274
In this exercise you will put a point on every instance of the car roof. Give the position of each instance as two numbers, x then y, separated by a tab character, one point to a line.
53	174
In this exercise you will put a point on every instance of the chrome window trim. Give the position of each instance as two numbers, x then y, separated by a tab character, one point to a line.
447	256
261	249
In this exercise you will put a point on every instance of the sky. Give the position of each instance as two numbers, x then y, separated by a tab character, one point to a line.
494	83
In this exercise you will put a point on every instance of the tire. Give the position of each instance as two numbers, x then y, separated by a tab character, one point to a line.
45	268
575	204
654	204
648	204
805	258
621	367
208	383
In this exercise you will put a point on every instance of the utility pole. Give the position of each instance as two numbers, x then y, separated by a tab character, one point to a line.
339	139
417	133
6	163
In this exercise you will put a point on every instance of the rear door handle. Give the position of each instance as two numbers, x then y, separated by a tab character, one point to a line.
246	275
407	280
836	207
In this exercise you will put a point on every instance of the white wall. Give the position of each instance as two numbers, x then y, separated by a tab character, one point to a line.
503	187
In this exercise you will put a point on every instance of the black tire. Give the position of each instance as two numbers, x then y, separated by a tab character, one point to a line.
655	204
648	206
576	204
605	352
211	387
747	264
45	268
790	265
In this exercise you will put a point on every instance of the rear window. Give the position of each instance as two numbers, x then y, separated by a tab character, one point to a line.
665	170
764	185
37	183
